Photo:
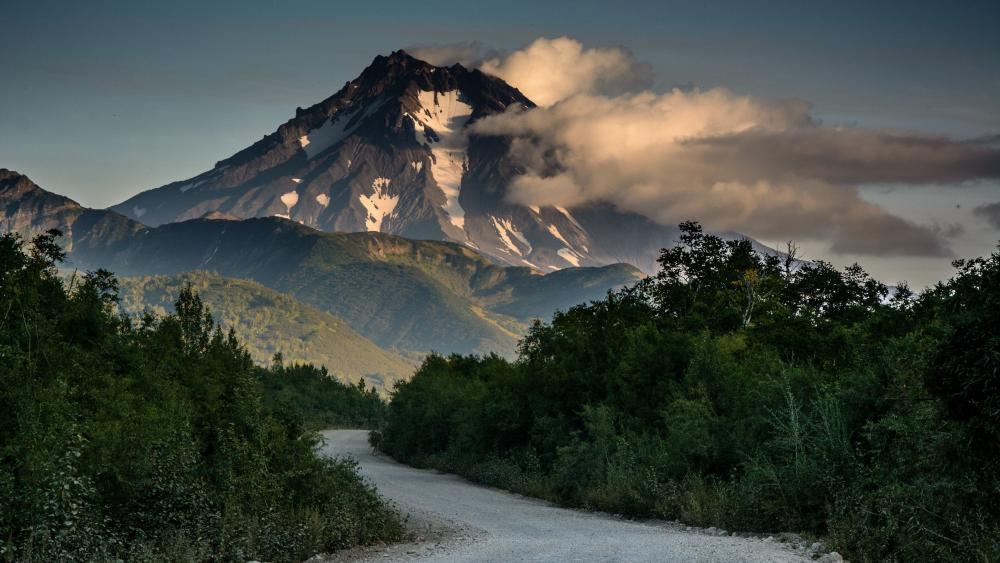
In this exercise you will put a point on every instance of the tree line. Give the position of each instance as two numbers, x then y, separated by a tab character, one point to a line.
748	391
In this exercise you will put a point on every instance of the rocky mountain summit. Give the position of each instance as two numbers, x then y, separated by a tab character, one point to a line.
392	152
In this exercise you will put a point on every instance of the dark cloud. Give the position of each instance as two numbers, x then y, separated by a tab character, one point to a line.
990	212
886	235
852	156
951	230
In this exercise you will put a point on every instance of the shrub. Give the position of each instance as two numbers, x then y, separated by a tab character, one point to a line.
744	391
151	438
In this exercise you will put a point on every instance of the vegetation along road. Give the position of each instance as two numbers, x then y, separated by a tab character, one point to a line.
486	524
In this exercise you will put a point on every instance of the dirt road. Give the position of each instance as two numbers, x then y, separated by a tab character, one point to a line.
461	521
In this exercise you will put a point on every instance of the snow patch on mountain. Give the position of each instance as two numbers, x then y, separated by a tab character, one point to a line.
554	231
379	205
505	229
441	120
323	199
290	199
185	187
569	216
337	128
417	166
297	180
569	256
517	234
215	250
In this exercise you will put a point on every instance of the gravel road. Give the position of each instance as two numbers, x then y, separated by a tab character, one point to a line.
452	519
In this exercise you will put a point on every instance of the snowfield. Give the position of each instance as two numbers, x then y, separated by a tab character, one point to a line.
379	205
439	126
337	128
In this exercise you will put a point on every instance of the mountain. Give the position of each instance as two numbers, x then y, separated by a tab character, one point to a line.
269	322
412	295
391	152
27	209
408	296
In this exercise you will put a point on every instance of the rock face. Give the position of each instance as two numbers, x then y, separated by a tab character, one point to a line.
392	152
27	209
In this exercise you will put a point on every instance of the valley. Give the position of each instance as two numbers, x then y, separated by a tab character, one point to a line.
516	301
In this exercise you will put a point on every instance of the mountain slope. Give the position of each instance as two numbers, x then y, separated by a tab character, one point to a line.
400	293
27	209
270	322
391	152
406	295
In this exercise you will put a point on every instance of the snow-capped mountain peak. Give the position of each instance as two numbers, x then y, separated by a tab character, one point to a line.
392	152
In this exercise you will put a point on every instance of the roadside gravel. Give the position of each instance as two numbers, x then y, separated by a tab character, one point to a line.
453	520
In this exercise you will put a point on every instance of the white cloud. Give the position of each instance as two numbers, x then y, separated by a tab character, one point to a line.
550	70
767	169
733	162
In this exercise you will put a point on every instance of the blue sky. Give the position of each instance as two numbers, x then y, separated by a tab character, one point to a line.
101	100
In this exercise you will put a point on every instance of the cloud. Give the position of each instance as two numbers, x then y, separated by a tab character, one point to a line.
767	169
990	212
852	156
550	70
735	163
470	54
950	230
547	70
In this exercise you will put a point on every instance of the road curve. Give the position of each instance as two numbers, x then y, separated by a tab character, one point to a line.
496	526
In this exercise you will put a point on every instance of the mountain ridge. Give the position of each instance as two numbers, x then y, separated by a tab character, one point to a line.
28	209
269	322
401	293
409	295
391	151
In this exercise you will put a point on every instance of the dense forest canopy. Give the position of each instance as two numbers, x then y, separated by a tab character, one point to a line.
749	391
157	438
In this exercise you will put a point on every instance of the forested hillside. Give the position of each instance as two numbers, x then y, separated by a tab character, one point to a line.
157	438
269	323
402	294
746	392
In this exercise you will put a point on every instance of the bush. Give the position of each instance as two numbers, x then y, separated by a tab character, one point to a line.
747	392
151	438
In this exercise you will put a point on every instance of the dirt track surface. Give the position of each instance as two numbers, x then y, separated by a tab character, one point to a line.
452	519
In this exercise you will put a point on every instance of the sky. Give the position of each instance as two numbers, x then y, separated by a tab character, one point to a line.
101	100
